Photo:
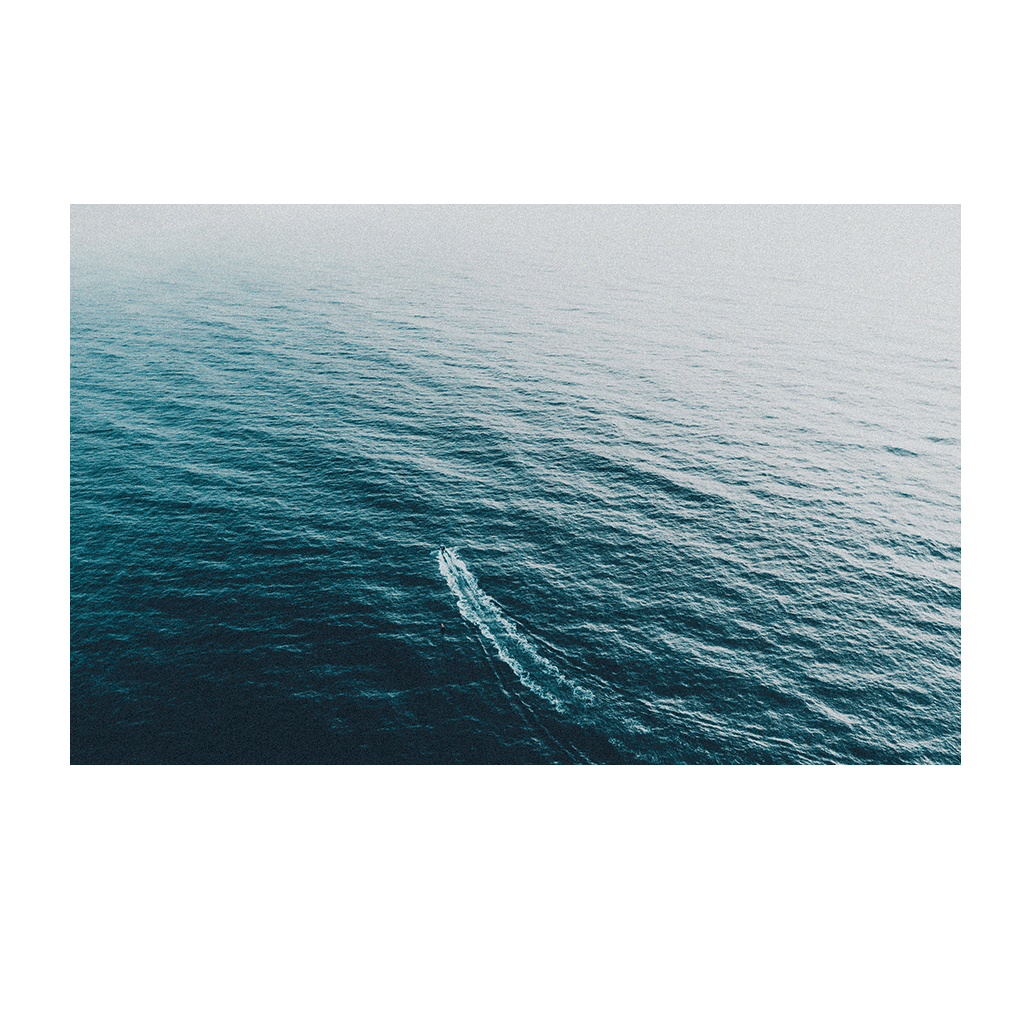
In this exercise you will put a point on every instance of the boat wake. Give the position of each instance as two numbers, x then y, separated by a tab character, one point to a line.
518	652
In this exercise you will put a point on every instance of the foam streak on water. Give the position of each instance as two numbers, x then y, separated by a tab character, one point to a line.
515	650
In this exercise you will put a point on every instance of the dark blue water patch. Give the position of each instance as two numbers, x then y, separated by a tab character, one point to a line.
410	716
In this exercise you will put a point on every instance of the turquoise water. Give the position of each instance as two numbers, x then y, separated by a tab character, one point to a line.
484	485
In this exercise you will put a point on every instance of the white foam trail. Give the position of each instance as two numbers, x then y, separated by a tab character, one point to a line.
482	611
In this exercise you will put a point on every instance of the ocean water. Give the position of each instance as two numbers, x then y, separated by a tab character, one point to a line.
515	485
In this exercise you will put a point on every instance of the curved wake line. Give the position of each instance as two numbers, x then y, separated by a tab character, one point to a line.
482	611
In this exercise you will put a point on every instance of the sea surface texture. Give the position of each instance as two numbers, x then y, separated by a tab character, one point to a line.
515	485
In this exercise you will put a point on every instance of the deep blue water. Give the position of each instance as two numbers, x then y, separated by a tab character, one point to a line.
679	485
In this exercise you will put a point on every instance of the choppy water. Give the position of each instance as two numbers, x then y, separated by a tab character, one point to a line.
679	485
